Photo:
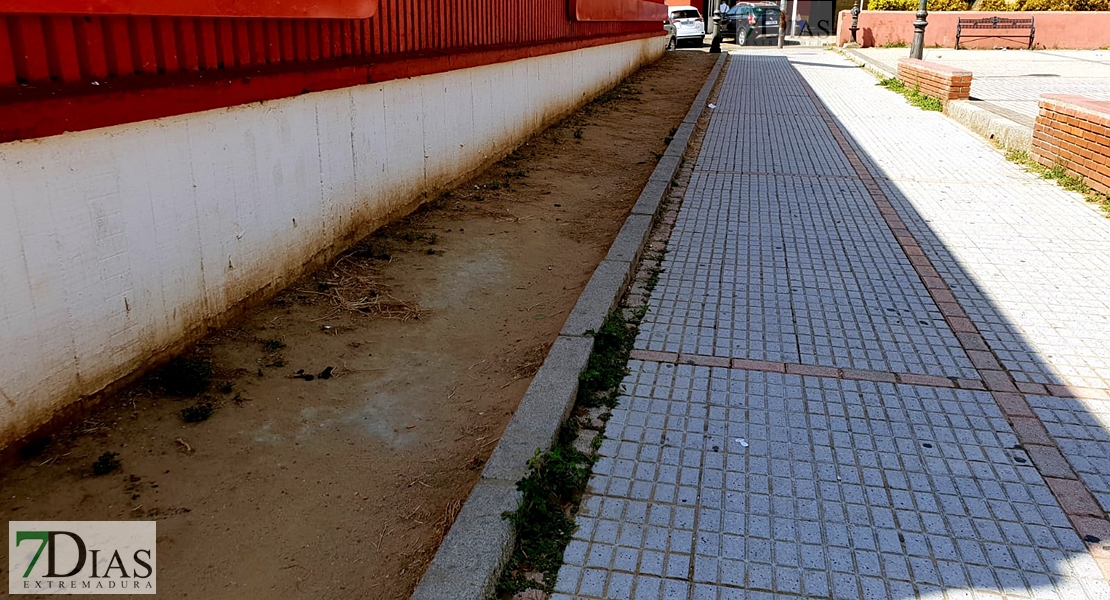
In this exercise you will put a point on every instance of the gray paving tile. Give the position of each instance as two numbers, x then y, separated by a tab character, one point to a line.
719	484
1024	257
785	258
818	488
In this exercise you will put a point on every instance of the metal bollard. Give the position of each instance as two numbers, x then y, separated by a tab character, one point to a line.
715	45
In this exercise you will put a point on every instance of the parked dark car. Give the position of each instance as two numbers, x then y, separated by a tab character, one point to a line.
749	21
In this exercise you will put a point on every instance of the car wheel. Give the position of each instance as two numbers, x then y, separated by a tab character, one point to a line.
671	43
742	38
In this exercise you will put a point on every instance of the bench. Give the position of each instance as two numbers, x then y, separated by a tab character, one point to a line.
994	25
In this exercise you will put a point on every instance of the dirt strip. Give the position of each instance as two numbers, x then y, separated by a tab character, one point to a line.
341	426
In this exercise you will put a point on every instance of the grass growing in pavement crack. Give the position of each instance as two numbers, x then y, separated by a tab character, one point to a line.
544	521
1059	174
914	95
609	362
653	273
553	489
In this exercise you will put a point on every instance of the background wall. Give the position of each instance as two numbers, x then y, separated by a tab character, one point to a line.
1077	30
119	244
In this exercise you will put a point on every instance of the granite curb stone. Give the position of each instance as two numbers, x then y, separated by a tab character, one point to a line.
478	543
598	299
543	409
631	240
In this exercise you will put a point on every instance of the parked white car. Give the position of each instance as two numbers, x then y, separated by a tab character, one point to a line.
689	26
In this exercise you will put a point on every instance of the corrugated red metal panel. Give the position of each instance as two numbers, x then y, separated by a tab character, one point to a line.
225	44
142	45
206	43
62	42
279	39
7	62
91	50
301	9
117	43
29	49
165	45
186	36
52	56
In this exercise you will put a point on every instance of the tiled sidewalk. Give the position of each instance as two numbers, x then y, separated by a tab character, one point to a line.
835	246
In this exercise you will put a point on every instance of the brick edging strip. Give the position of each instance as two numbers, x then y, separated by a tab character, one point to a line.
470	559
1070	491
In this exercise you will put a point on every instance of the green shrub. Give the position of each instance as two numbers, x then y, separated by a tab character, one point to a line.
1091	5
912	5
890	5
1000	5
1058	5
943	5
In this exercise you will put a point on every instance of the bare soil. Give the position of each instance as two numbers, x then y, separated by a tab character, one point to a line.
343	486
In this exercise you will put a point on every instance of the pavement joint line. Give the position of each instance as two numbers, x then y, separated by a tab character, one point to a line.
779	174
470	558
743	364
1046	458
909	378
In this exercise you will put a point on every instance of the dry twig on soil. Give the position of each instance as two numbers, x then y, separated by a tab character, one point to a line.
353	290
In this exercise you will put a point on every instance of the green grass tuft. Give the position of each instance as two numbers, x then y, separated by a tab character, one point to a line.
1059	173
914	96
544	521
609	362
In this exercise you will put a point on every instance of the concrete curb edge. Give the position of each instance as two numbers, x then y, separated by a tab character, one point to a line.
1009	134
874	67
470	559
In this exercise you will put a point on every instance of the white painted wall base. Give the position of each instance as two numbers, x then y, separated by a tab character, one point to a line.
118	245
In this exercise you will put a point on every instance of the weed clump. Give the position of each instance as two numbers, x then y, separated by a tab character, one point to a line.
544	521
197	413
914	95
1059	173
108	462
186	376
608	363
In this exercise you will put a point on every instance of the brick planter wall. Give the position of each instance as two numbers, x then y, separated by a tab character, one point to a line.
1074	131
939	81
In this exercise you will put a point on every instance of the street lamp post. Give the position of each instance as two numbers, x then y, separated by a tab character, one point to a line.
919	32
855	21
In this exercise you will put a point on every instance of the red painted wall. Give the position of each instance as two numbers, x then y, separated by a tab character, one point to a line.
71	72
1077	30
